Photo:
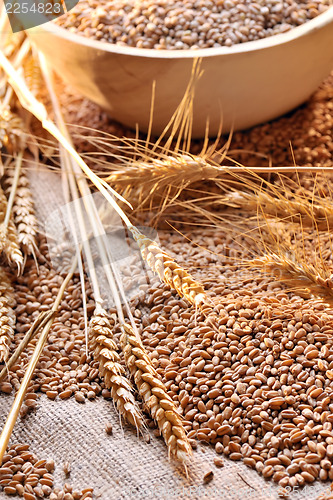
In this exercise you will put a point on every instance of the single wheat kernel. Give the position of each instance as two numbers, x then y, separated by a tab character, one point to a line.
108	428
208	477
67	468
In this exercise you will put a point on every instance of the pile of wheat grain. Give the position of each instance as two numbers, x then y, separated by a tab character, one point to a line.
23	474
259	388
193	24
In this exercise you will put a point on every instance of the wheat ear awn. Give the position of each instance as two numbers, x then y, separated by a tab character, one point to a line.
106	353
154	395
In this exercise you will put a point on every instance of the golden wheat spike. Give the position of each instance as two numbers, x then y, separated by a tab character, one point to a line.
170	272
9	244
106	353
154	395
23	211
7	315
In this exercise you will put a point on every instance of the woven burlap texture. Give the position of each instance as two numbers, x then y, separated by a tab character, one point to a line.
124	466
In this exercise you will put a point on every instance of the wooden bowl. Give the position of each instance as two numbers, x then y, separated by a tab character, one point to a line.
243	85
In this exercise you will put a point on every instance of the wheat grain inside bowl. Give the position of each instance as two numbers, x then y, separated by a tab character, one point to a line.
243	85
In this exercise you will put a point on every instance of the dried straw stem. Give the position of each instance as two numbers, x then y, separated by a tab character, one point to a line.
105	352
154	395
8	235
23	211
170	272
7	315
299	275
37	109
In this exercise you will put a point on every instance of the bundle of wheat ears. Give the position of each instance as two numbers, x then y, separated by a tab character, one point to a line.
276	215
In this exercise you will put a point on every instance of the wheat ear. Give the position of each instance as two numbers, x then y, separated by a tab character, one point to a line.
7	315
170	272
12	131
32	74
299	210
154	395
164	177
9	244
184	166
23	211
106	353
303	275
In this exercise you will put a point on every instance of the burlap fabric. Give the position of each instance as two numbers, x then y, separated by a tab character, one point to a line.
124	466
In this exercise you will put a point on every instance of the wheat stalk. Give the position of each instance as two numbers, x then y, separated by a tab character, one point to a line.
7	315
9	244
154	395
23	211
102	343
37	109
105	352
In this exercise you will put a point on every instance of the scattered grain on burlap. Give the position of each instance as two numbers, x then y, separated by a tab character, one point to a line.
259	389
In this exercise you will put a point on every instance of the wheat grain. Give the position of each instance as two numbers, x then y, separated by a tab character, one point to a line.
154	395
182	25
105	351
9	244
23	211
170	272
7	315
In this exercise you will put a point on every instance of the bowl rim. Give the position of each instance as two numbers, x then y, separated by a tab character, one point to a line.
304	29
